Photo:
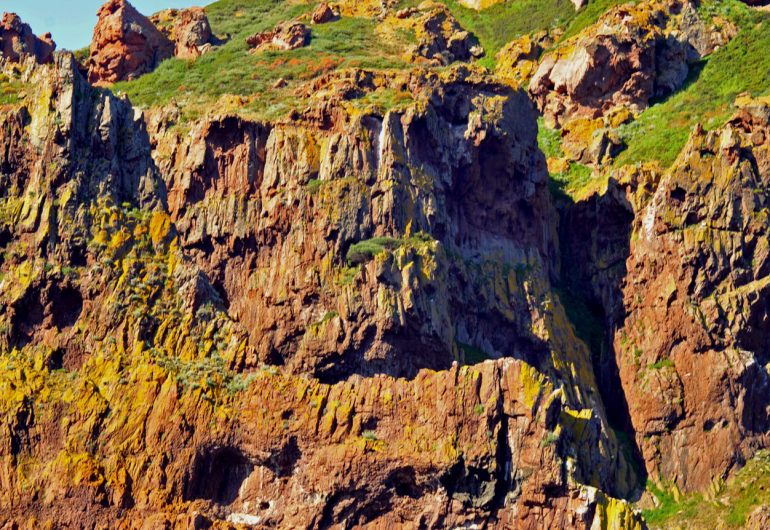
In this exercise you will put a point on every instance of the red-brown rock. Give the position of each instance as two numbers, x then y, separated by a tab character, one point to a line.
322	14
192	32
17	41
632	54
125	44
287	36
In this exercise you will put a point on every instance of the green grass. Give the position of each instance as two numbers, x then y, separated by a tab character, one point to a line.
663	363
743	65
725	505
10	90
503	22
363	251
590	14
549	140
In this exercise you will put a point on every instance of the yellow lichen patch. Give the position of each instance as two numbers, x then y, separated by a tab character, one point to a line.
160	227
532	383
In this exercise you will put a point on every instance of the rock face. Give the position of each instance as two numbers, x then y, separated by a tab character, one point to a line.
286	36
165	291
518	60
691	350
17	41
634	53
441	39
189	29
125	44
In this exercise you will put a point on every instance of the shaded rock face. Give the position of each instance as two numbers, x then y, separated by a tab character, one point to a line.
691	350
125	44
17	41
634	53
167	430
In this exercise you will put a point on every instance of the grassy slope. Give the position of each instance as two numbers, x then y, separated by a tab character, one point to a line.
232	70
661	131
726	506
741	66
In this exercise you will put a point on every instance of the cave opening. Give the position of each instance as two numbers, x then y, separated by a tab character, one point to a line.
217	475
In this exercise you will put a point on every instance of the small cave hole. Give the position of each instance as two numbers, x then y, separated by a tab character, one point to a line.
217	475
67	304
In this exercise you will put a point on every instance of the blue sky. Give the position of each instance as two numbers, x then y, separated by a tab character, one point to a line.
72	21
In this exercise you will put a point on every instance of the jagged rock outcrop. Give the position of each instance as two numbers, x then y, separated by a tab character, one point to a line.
691	349
189	29
518	60
323	14
17	41
125	44
285	36
440	37
632	54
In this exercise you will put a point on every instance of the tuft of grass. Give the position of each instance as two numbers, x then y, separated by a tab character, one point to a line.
663	363
369	435
363	251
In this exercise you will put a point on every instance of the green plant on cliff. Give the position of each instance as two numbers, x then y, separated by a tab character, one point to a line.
363	251
722	505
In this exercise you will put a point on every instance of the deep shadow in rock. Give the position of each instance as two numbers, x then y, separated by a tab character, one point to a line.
595	237
217	475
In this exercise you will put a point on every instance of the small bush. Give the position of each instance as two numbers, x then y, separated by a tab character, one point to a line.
363	251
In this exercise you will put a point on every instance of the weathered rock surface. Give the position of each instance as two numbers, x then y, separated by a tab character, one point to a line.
441	39
138	309
323	14
17	41
632	54
286	36
189	29
518	60
125	44
691	350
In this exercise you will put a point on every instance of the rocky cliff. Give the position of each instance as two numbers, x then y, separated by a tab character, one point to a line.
356	297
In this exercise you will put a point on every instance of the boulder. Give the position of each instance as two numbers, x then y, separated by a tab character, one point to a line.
441	39
126	44
189	29
323	14
17	41
518	60
192	32
287	36
632	54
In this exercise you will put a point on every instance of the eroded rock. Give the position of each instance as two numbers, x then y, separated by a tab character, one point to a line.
632	54
441	38
690	351
17	41
125	44
287	36
189	29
